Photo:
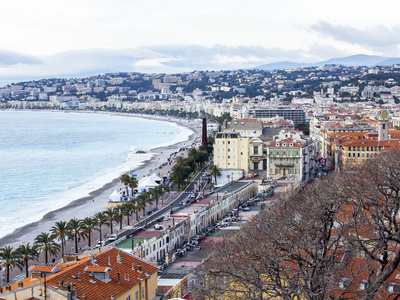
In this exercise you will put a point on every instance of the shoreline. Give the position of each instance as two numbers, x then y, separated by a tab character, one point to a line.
97	199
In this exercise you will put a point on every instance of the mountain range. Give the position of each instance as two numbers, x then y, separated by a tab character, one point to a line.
354	60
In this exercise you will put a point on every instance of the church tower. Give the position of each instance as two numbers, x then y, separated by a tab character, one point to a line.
383	127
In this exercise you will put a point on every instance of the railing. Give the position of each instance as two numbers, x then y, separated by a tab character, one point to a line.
284	164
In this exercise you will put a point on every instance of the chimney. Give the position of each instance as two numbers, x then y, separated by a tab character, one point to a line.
20	284
119	281
119	257
133	266
83	297
8	288
139	268
204	136
109	261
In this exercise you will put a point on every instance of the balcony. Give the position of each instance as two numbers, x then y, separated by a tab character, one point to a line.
284	164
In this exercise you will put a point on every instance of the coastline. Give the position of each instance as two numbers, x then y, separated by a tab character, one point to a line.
97	200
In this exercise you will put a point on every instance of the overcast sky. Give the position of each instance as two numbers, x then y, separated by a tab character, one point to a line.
58	38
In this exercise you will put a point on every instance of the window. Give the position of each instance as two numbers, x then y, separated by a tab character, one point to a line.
128	298
137	295
256	166
392	288
229	142
343	283
256	150
363	285
142	291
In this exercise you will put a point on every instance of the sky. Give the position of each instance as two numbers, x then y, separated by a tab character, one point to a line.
72	38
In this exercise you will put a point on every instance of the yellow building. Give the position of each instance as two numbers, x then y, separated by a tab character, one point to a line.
231	151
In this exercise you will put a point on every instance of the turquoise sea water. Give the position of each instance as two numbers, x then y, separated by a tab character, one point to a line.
48	159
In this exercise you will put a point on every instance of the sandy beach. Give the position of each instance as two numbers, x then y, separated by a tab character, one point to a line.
97	200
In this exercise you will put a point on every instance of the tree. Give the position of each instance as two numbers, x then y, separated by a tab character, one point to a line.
373	209
75	231
215	171
125	179
343	227
165	189
45	242
142	201
179	172
284	252
127	209
305	127
24	254
100	219
9	259
112	215
156	192
133	183
60	229
88	225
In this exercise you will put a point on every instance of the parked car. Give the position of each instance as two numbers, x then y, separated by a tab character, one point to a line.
159	226
113	237
99	244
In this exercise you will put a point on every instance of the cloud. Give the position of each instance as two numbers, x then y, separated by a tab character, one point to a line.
378	36
9	58
154	59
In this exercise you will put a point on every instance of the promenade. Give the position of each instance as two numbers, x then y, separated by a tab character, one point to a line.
161	169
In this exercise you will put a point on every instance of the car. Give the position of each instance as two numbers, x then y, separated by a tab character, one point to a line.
246	208
99	244
159	226
113	237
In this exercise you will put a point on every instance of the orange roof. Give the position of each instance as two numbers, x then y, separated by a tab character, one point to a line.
96	269
77	274
47	269
107	260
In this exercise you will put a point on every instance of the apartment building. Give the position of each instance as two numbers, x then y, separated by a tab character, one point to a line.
231	151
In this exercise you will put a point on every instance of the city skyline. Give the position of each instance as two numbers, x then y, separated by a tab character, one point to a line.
46	39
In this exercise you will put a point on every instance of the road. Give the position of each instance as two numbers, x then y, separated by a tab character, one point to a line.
174	205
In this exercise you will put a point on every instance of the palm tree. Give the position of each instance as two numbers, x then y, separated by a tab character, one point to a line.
60	229
112	215
88	225
133	183
165	189
75	231
45	242
9	259
156	192
125	179
142	201
215	171
179	171
135	208
126	210
25	253
101	219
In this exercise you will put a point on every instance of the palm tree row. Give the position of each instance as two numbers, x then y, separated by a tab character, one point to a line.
53	243
183	167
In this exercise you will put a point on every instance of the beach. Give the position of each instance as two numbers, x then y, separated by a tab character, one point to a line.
97	200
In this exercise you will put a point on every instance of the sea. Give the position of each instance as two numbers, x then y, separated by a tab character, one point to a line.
50	158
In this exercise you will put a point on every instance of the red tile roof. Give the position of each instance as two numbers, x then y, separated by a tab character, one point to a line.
122	276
